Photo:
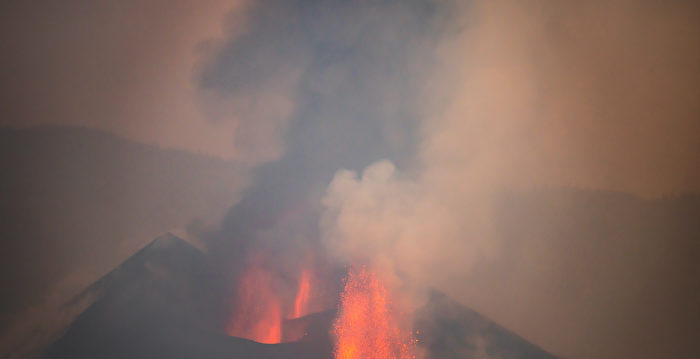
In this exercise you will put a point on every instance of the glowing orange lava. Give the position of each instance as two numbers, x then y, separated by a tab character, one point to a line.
258	313
301	303
367	327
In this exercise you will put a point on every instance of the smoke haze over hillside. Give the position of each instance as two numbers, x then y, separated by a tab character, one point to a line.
539	161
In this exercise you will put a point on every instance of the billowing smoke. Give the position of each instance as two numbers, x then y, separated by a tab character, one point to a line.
514	155
523	99
458	131
357	68
351	72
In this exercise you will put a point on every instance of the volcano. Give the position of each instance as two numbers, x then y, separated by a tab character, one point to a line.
163	303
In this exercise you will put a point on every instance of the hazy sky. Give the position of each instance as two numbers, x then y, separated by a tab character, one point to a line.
399	120
598	95
127	67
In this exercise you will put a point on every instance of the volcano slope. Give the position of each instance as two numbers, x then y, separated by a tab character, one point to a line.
447	329
162	303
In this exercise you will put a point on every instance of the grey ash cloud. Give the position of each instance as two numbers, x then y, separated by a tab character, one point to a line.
541	151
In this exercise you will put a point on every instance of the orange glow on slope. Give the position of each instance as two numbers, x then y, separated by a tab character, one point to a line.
367	327
301	303
258	313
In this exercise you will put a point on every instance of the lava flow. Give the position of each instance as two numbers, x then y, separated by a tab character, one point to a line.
367	327
258	313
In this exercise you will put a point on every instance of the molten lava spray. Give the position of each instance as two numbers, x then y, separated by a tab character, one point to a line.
301	303
258	313
367	327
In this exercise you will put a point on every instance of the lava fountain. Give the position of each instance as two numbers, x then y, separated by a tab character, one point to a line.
258	312
301	303
260	308
367	326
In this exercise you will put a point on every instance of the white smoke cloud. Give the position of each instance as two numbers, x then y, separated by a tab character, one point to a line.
525	97
399	225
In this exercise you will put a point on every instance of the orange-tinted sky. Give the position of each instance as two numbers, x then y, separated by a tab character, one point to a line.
437	106
599	95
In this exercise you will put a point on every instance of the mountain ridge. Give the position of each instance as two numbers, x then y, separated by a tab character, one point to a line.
142	309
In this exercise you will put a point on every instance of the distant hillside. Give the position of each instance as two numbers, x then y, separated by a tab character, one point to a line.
76	202
628	265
